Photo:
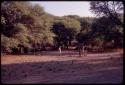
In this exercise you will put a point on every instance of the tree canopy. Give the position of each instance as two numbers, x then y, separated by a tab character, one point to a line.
25	23
27	26
111	9
66	29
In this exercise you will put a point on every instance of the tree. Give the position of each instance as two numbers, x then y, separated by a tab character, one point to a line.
66	30
106	31
12	13
8	43
111	9
26	23
84	36
42	34
22	36
76	17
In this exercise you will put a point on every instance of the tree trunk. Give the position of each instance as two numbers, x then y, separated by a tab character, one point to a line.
21	50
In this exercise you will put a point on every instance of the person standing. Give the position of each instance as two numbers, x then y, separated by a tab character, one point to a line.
60	50
85	50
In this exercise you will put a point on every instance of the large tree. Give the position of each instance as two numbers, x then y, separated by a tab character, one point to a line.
106	31
26	23
66	30
111	9
12	27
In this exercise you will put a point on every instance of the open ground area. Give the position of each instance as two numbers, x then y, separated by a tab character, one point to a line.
78	42
68	68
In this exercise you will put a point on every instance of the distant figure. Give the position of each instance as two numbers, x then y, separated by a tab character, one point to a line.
59	50
85	50
82	50
79	48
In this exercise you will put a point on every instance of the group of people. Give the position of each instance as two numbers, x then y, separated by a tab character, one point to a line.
81	48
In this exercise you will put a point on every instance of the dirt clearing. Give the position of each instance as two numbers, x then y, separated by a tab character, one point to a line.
68	68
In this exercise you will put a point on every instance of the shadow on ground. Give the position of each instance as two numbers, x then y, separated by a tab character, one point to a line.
70	71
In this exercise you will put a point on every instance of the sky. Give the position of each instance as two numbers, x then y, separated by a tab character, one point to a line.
61	8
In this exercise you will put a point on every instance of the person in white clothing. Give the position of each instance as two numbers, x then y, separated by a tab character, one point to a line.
59	50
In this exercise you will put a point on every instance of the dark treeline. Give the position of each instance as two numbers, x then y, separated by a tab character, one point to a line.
28	28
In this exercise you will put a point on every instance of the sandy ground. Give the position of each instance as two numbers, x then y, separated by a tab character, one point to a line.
69	68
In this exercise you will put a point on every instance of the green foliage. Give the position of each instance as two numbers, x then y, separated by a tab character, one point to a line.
110	9
107	31
72	24
24	25
82	37
8	43
66	30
